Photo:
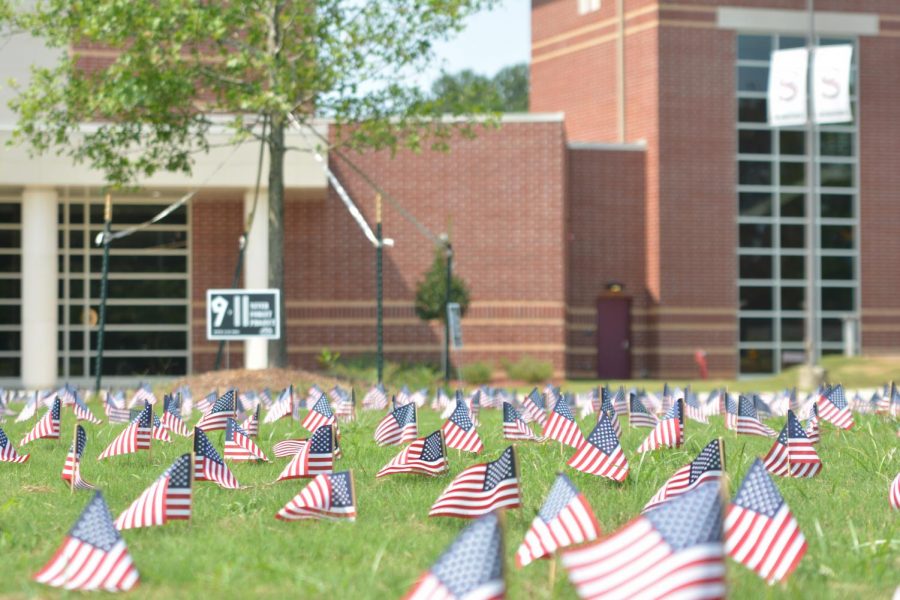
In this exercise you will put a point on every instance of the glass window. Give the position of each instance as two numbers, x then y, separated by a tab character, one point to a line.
837	299
837	267
832	330
754	47
836	175
793	330
756	267
793	267
10	263
10	288
133	315
163	288
753	79
756	360
132	214
10	315
142	340
755	235
837	236
793	204
141	263
793	298
752	110
757	330
756	298
752	172
754	141
10	238
10	213
835	143
10	341
9	366
792	142
792	173
792	236
785	42
76	213
753	204
837	206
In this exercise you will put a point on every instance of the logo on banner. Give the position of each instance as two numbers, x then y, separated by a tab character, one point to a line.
787	90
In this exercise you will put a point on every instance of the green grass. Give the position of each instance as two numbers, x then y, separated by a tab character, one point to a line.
234	547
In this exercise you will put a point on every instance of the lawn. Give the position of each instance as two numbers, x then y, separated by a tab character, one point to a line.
234	547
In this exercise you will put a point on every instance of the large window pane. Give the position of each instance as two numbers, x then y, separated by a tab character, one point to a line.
132	214
755	204
754	47
756	267
756	298
753	79
793	204
10	263
836	143
753	172
785	42
756	360
752	110
793	298
837	206
755	235
837	267
838	299
10	212
793	267
754	141
10	238
832	330
792	236
793	330
792	173
792	142
837	236
757	330
142	263
147	288
836	175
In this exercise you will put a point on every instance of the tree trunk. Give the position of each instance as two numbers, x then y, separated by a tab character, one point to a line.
278	354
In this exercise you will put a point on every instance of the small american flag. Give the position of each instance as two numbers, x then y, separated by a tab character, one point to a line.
793	454
328	496
668	398
561	425
8	452
425	456
251	423
812	424
134	437
707	467
207	402
833	408
67	395
533	408
638	415
160	431
669	432
187	401
168	499
171	417
608	408
286	448
747	420
315	458
217	418
47	428
319	415
71	472
894	494
143	394
312	395
565	519
692	408
93	556
398	426
620	402
403	397
441	400
471	567
282	407
515	427
30	407
208	465
419	397
344	404
114	406
83	413
601	454
481	489
376	398
760	531
459	431
675	551
238	445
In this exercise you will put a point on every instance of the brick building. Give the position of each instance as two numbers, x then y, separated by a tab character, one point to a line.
641	211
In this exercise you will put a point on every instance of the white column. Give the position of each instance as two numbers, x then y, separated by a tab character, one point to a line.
256	269
39	287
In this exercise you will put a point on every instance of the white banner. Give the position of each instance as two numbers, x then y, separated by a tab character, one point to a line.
831	84
787	87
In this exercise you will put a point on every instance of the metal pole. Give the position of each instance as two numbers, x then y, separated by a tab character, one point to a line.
104	277
812	202
242	244
449	249
379	292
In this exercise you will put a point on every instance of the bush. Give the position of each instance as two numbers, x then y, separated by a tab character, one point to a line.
327	359
362	369
529	369
476	373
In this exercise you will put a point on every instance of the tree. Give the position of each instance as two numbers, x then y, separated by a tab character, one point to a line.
180	69
507	91
431	292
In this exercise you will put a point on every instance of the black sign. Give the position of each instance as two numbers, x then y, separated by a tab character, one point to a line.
243	314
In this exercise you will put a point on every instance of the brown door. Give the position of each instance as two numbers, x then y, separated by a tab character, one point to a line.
614	337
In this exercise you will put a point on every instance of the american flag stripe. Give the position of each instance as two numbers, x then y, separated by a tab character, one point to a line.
174	423
147	510
45	429
459	439
466	497
79	566
574	525
8	452
243	449
637	562
305	465
590	460
315	502
678	484
168	498
131	439
894	494
72	469
425	456
839	417
668	433
429	587
771	547
83	413
208	470
288	447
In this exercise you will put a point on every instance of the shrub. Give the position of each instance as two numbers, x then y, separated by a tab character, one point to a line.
476	373
327	359
529	369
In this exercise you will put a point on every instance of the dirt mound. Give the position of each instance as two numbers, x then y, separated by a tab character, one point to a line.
246	379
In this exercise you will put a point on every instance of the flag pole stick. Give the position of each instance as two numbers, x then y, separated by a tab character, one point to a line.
722	453
352	489
74	459
552	573
191	481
